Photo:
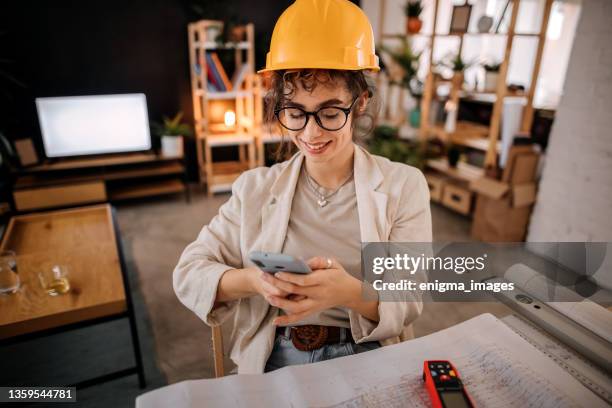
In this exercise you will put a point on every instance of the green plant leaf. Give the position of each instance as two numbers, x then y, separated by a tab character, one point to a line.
172	127
456	63
413	8
406	59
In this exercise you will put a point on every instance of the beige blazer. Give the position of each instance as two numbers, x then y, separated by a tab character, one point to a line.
393	205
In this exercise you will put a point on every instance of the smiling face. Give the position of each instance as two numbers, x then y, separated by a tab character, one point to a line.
311	90
318	144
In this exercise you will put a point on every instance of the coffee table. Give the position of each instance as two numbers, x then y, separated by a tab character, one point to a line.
87	241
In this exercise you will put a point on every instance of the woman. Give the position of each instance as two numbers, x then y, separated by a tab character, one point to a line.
320	205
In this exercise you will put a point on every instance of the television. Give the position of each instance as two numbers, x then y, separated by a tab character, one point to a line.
93	125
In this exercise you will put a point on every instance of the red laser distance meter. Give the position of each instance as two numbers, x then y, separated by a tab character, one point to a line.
444	386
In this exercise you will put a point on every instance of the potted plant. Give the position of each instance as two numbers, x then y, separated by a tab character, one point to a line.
171	133
413	11
385	132
416	90
385	142
407	63
491	75
237	32
213	32
458	65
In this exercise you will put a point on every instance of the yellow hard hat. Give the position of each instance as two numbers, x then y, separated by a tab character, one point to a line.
323	34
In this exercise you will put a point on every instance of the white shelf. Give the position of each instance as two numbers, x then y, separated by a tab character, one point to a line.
468	34
221	188
489	97
224	95
211	45
463	171
224	175
229	139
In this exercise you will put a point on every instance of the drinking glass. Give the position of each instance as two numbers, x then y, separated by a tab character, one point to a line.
54	280
9	279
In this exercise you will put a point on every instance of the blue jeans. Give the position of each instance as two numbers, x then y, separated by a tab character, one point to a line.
284	352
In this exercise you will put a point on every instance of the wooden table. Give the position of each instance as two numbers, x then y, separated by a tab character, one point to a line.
86	240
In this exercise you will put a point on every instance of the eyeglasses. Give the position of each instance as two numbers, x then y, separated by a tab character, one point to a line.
330	118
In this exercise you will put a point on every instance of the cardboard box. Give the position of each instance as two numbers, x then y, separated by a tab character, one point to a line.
498	221
522	165
502	211
519	195
523	194
503	208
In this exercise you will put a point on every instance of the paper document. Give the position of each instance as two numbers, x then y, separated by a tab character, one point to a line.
498	367
594	378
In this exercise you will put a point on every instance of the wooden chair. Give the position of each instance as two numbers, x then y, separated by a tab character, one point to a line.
217	345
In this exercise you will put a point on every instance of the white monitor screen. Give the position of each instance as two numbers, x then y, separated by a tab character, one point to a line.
81	125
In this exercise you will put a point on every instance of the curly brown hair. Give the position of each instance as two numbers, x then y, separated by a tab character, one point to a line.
283	84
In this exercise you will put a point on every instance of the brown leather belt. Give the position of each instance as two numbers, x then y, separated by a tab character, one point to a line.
312	336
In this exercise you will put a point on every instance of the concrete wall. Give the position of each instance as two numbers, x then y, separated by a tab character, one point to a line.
575	194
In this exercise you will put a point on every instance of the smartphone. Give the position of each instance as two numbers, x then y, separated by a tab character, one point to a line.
271	262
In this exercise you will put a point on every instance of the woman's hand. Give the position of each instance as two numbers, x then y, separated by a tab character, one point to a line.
267	285
241	283
326	287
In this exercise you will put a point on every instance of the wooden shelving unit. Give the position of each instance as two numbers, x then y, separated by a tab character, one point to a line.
245	103
131	172
88	162
468	134
462	172
70	182
465	131
146	189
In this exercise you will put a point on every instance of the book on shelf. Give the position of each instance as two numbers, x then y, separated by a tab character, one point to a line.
219	67
217	79
211	81
213	74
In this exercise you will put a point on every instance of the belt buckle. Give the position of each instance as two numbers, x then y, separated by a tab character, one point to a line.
308	337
